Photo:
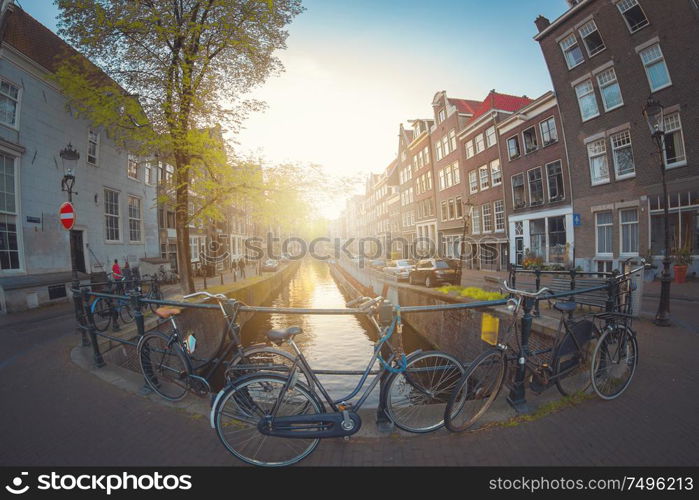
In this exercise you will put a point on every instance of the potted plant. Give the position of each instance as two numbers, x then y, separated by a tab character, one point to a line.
683	258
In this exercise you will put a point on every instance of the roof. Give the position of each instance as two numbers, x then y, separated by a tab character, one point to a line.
503	102
464	105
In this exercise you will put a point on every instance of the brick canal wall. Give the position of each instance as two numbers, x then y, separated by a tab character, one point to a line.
455	331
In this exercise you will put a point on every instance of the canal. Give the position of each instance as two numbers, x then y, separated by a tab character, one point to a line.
343	342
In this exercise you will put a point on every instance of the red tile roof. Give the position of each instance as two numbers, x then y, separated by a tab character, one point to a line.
464	105
504	102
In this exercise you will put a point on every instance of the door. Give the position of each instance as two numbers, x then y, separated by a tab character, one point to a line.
519	250
77	250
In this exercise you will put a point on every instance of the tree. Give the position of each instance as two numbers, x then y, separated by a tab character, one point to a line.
175	68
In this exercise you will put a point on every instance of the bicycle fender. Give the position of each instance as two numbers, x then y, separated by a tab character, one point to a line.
213	407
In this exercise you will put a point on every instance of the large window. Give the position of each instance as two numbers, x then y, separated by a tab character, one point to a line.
549	134
623	155
537	240
132	168
475	220
452	140
554	175
557	239
487	218
571	51
135	219
111	215
490	138
452	209
438	152
444	210
499	215
484	177
93	145
459	207
605	233
513	147
586	100
473	181
656	69
633	14
599	170
609	88
591	38
629	231
674	141
529	137
9	102
469	149
480	145
518	196
495	172
9	243
536	186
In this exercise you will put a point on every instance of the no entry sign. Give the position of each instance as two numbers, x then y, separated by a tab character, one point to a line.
67	215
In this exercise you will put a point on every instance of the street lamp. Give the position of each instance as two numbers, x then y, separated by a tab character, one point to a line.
653	113
69	157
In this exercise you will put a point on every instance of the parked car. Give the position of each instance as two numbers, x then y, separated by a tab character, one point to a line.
432	272
377	263
270	265
399	269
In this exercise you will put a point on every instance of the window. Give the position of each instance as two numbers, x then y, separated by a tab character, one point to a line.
571	51
442	115
484	176
135	219
473	181
429	179
132	168
656	69
171	220
536	186
605	231
513	147
557	239
599	170
457	175
623	155
452	209
440	174
469	149
490	138
444	210
592	38
9	242
499	215
487	218
674	142
475	220
194	248
554	174
518	197
529	137
537	239
480	146
9	101
452	140
111	214
586	100
459	207
629	231
495	172
609	88
438	152
549	134
150	174
93	141
633	14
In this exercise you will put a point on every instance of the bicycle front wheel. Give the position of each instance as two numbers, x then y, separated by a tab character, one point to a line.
164	366
126	313
242	406
154	295
415	399
614	362
476	391
101	314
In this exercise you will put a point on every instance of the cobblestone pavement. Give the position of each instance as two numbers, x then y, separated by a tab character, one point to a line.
55	413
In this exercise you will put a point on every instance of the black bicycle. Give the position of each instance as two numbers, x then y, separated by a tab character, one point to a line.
171	369
154	292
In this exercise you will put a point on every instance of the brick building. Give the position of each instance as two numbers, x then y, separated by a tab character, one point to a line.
536	181
406	207
420	151
606	57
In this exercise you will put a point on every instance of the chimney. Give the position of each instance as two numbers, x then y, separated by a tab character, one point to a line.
542	23
573	3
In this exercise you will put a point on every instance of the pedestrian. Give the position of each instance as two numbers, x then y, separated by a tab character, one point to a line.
116	270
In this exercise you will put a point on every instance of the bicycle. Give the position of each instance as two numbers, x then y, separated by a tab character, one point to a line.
271	420
565	364
103	308
154	291
168	364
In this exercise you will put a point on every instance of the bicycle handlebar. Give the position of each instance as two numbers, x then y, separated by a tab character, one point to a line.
525	293
218	296
365	302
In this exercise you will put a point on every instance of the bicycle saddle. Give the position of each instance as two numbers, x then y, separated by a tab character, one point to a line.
166	312
279	336
565	306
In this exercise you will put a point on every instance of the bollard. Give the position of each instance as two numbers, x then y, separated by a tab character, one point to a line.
513	276
517	397
97	355
84	323
537	273
135	300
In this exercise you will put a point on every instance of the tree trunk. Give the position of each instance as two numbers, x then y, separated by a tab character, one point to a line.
184	258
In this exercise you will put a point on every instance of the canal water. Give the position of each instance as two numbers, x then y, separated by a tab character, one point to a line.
343	342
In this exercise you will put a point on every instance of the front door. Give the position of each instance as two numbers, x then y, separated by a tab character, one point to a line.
519	249
77	251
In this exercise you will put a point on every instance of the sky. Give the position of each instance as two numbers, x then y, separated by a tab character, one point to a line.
356	69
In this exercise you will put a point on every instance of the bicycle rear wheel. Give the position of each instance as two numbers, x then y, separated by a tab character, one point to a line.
476	391
614	362
164	366
415	399
101	314
572	370
258	358
245	402
126	313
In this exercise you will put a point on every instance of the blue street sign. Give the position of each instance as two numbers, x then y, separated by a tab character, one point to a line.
576	220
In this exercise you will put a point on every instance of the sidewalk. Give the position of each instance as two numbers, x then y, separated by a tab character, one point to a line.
229	278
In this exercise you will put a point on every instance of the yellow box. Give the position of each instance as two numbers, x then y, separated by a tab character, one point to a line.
490	325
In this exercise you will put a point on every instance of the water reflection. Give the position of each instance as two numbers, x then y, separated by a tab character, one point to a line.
329	342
